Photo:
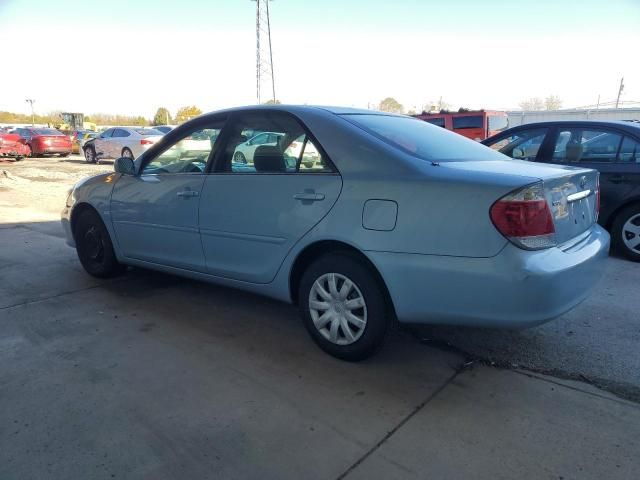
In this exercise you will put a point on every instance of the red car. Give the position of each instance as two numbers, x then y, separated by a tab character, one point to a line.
12	146
45	141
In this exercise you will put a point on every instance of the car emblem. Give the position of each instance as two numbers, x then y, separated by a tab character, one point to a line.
583	182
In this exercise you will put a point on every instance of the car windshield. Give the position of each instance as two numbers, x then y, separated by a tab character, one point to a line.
421	139
148	131
46	131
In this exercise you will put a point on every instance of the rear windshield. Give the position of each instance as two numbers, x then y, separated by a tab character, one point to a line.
148	131
46	131
467	122
422	139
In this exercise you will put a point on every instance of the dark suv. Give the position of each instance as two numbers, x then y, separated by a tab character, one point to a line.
612	148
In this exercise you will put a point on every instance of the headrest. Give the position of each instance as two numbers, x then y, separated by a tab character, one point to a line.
574	151
269	158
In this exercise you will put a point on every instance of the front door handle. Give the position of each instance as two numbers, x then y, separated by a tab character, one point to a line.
188	193
309	196
618	179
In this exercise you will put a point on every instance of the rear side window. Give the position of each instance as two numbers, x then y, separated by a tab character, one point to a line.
467	122
629	151
422	140
118	132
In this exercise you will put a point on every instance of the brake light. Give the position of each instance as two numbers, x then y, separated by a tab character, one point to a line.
524	217
144	141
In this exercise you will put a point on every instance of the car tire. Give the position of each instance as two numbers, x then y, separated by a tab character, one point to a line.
94	247
90	155
325	311
239	157
64	155
625	232
127	153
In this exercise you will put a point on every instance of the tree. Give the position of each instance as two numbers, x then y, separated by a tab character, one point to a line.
162	117
272	102
552	102
533	103
391	105
187	113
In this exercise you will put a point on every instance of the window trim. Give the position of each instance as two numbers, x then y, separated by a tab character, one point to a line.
220	163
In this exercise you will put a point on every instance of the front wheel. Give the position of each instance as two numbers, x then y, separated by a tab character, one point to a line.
344	307
64	155
90	155
94	246
239	158
626	232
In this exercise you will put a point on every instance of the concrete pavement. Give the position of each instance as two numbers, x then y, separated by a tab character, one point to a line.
154	376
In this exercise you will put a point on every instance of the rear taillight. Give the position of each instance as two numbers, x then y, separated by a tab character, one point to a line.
524	217
146	142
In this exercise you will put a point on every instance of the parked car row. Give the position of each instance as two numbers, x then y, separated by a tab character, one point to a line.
44	141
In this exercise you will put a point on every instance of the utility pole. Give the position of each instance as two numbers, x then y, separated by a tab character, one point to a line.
264	54
620	91
31	101
598	105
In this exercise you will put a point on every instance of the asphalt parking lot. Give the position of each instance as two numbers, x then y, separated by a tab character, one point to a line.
154	376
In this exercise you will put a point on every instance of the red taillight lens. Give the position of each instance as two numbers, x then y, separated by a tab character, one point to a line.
146	142
524	217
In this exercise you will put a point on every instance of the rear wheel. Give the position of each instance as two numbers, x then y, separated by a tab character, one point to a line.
343	307
63	155
90	155
94	246
239	158
626	232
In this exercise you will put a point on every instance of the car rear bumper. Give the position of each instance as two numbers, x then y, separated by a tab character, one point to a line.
515	289
55	150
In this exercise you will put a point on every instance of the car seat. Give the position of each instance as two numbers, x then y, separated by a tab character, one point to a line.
269	159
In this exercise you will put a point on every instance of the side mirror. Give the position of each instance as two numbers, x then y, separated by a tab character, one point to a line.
124	165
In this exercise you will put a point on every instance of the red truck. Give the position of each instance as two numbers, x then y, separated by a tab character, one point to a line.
11	146
476	125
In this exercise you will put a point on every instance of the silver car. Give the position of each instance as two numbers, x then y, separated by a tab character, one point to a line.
397	219
120	142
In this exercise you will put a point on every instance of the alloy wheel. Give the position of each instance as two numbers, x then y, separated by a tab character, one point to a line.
631	233
338	309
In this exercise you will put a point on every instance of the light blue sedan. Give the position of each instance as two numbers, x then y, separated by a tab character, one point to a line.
396	219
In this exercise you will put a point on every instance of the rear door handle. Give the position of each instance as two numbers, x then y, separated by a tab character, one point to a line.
309	196
188	193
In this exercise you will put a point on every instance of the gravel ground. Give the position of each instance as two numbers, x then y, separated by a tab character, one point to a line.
597	342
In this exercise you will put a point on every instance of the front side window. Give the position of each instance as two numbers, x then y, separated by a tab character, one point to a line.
523	145
421	140
190	154
630	151
575	145
474	121
107	133
271	142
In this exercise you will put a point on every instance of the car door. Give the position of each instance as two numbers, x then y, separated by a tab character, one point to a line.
155	212
118	142
101	143
252	215
597	148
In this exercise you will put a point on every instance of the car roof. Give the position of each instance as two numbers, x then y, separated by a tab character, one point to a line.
301	109
632	127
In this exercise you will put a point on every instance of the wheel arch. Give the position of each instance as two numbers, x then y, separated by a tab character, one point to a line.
315	250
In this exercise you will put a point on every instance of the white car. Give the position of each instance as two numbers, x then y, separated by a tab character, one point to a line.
245	151
120	142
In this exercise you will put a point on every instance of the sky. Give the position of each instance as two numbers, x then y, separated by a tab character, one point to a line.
131	57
